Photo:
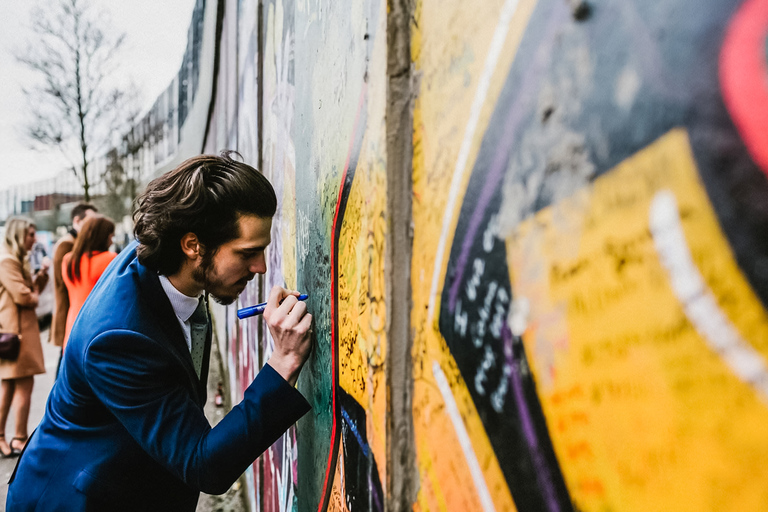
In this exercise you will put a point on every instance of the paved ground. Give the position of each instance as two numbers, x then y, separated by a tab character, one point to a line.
232	501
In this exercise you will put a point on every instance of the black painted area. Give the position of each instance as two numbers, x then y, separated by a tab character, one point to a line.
363	491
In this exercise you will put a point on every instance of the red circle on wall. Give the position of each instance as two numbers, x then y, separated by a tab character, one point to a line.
744	77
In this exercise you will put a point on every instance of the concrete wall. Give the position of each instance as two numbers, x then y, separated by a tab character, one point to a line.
589	280
533	233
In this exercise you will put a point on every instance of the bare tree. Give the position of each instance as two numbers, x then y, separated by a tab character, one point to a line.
77	108
117	182
121	174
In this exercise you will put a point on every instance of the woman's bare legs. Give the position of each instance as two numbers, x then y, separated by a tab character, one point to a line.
22	399
7	388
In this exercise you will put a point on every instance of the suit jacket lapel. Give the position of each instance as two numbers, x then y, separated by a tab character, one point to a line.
165	318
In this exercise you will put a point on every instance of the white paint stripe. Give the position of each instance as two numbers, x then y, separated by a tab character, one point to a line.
497	44
463	435
698	301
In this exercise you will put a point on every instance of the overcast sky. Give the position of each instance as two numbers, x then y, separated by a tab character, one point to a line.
156	38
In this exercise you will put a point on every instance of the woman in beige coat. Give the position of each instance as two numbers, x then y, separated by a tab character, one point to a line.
18	297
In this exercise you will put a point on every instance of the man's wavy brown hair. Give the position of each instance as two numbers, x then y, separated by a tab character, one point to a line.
204	195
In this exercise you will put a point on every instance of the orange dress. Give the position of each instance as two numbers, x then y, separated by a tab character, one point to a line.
91	268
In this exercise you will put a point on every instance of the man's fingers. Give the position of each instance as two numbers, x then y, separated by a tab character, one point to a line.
306	323
276	295
288	303
298	310
280	315
291	318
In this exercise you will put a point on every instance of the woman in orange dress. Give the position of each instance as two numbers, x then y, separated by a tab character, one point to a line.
81	268
19	289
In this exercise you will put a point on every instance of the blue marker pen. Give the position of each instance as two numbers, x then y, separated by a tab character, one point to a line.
259	308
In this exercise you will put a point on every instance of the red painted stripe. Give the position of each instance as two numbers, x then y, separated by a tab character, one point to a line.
744	77
343	191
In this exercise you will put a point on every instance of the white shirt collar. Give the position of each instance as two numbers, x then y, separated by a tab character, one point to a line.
183	305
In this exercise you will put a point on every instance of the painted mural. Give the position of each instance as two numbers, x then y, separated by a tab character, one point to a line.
593	331
359	309
341	201
589	259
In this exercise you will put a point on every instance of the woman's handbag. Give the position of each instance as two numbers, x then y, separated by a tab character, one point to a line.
10	343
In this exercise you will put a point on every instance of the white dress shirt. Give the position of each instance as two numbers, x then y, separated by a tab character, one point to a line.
183	306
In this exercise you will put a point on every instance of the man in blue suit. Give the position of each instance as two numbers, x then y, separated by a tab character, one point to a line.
124	427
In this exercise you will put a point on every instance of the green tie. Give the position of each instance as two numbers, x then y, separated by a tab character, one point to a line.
198	328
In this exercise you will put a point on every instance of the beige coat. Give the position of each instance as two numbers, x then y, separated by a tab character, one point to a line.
17	306
60	294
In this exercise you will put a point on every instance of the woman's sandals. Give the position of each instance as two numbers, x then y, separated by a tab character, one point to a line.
8	455
15	452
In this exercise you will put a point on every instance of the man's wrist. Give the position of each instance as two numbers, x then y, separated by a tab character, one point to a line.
287	367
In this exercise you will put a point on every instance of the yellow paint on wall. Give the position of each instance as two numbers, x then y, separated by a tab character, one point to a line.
643	413
438	448
450	44
361	283
430	497
362	311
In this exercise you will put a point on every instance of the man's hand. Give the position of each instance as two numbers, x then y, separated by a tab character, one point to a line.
290	325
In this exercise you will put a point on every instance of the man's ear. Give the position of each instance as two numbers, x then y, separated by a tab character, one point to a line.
190	246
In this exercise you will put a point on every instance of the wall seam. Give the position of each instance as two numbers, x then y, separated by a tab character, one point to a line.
221	8
401	473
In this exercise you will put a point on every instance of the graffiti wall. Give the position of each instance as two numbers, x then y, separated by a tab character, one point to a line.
585	245
588	273
323	151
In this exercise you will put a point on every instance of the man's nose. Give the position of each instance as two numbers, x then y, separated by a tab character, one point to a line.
259	265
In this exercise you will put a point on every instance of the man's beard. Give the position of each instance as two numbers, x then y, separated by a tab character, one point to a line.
205	274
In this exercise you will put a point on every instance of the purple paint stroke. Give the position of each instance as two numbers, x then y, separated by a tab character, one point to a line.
501	157
374	491
294	460
543	473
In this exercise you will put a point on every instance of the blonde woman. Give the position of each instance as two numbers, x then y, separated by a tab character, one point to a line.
19	291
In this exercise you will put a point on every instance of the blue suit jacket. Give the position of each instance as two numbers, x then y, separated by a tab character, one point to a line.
124	427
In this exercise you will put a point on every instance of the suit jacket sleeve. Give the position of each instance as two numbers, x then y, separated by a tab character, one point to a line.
138	381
